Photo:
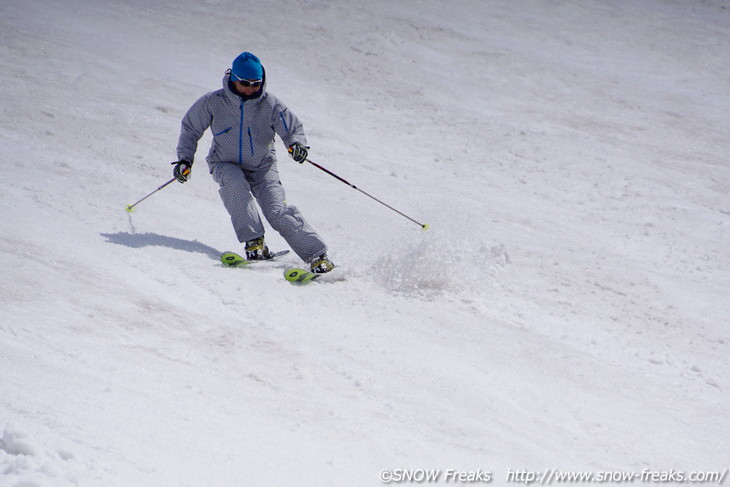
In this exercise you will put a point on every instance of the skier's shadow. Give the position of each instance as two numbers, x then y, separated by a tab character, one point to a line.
139	240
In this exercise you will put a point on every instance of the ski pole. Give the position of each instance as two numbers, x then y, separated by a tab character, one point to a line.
424	226
130	208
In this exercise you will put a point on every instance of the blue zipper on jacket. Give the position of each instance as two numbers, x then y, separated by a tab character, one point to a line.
240	137
250	140
283	120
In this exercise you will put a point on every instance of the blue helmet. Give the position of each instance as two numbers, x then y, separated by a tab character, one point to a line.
246	66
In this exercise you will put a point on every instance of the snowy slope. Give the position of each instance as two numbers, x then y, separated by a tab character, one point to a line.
568	308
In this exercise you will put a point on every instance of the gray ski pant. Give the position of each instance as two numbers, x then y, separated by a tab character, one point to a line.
239	188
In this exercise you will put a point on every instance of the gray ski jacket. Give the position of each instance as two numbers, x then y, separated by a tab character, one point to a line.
243	130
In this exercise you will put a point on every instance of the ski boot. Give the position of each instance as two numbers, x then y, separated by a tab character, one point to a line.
321	264
256	250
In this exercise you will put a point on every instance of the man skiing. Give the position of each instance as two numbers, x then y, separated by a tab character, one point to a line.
243	118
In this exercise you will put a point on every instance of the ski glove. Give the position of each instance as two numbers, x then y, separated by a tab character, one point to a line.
182	170
298	152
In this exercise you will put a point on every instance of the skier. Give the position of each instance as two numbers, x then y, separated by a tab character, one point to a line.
243	118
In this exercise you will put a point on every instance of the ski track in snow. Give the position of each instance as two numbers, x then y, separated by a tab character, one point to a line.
567	309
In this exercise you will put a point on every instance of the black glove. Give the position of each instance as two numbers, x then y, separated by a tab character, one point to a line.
182	170
298	152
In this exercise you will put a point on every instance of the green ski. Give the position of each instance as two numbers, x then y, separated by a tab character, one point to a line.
232	259
299	276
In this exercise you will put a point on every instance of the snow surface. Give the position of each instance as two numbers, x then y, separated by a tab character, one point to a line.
568	308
